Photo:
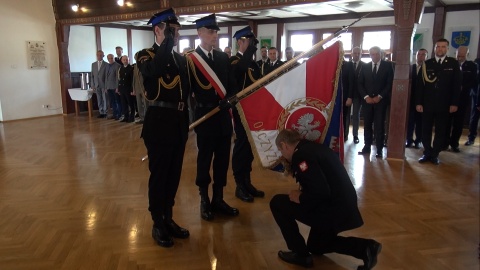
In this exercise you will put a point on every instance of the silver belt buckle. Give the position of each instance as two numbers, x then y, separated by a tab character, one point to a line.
180	106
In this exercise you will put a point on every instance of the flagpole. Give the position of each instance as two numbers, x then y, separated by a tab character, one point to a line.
276	73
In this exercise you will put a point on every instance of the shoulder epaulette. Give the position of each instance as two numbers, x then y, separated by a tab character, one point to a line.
189	52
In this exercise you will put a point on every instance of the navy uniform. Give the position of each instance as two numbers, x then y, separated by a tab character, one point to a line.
438	88
165	129
125	87
327	203
246	72
214	134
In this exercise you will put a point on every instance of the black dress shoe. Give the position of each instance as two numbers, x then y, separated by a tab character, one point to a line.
243	195
355	139
295	258
370	257
223	208
162	237
365	151
205	210
175	230
467	143
424	159
379	154
435	160
455	149
254	191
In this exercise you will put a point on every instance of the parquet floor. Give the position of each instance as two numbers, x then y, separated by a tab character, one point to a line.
73	195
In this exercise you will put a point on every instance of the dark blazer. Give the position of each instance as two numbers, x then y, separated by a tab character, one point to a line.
469	78
267	68
413	86
158	63
348	80
245	70
327	191
358	69
380	84
441	87
125	79
208	99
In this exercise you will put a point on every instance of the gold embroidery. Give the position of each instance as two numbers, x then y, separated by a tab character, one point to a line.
192	66
425	76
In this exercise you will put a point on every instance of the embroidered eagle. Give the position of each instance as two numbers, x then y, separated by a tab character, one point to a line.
306	129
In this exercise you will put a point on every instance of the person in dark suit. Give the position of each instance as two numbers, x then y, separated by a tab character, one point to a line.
475	110
357	100
438	90
273	62
246	72
98	83
375	85
326	201
348	77
165	128
414	117
214	134
125	88
264	58
119	52
469	82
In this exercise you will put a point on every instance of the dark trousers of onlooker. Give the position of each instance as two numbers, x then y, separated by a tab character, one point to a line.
414	124
321	238
214	149
165	164
439	120
455	123
474	116
374	115
346	122
115	103
128	105
242	156
357	107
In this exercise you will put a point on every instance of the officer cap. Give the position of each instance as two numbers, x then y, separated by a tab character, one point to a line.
245	32
166	16
209	22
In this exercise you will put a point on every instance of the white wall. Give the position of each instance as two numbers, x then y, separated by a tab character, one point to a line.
425	27
82	48
266	30
463	21
24	91
141	40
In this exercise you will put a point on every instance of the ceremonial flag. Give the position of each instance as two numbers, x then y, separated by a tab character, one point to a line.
307	98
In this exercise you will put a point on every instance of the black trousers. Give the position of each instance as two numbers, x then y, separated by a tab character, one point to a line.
165	165
216	149
242	156
414	124
128	104
439	120
346	120
321	238
455	122
374	116
474	116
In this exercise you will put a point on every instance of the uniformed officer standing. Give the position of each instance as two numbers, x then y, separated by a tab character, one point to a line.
438	91
165	129
125	87
212	84
246	72
326	201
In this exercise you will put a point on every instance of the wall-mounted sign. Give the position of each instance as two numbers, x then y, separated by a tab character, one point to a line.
36	53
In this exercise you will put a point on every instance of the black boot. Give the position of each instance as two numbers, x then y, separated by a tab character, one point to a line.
241	191
251	189
161	234
219	205
205	208
172	227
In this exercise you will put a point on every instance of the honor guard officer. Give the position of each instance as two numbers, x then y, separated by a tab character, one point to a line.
212	84
246	72
165	128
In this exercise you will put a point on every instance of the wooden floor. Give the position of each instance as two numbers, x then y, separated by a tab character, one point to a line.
73	195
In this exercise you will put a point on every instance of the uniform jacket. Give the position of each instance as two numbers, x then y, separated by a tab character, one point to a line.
469	78
98	75
111	75
125	78
348	77
156	64
441	87
326	187
206	96
244	69
267	68
380	84
260	64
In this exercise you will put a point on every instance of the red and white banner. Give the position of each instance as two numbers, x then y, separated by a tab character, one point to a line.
303	99
208	72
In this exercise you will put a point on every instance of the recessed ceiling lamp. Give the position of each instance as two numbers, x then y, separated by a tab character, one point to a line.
75	8
120	2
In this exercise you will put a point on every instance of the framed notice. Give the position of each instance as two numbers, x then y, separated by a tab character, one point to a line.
36	53
266	41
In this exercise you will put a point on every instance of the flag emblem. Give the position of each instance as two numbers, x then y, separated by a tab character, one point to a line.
303	166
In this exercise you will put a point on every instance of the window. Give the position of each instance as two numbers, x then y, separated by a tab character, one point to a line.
381	39
302	42
222	43
197	42
345	38
183	43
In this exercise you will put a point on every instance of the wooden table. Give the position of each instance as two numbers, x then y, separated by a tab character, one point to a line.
77	94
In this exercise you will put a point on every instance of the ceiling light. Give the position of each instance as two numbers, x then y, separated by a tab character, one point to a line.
121	2
129	4
75	8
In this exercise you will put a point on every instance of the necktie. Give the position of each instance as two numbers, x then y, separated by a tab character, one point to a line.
271	64
440	61
355	65
210	56
374	69
99	65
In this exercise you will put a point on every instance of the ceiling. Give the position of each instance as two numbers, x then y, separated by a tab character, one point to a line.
331	7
